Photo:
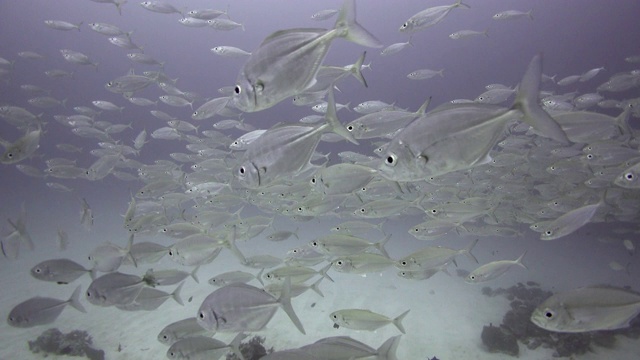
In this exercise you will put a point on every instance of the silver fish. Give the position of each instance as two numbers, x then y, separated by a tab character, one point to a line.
116	288
587	309
181	329
429	17
242	307
61	271
204	348
283	151
359	319
298	54
40	311
460	136
493	270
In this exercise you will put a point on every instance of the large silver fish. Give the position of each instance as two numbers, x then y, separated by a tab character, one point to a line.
61	271
284	151
241	307
587	309
287	61
40	310
459	136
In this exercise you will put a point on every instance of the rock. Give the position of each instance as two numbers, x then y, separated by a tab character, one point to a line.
497	339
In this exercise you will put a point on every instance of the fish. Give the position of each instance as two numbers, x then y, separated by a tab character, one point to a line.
23	148
569	222
463	34
241	307
283	151
181	329
359	319
324	14
512	15
234	277
109	257
396	48
116	288
362	263
149	299
344	347
229	51
587	309
41	311
429	17
62	25
286	62
423	74
171	276
459	136
61	271
493	270
204	347
160	7
344	244
434	257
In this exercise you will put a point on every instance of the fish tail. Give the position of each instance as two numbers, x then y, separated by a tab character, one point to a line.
388	349
332	119
323	272
398	321
285	302
74	300
234	249
259	277
527	102
235	345
459	3
424	107
128	249
176	294
93	273
349	28
118	4
467	251
519	260
380	245
315	287
357	69
194	275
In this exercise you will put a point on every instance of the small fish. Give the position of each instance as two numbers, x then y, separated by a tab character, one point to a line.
40	310
463	34
512	15
569	222
21	149
429	17
62	25
359	319
424	74
628	244
324	14
234	277
587	309
229	51
395	48
493	270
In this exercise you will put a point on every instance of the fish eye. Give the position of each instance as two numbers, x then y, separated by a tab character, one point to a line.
472	277
170	253
241	170
391	160
313	180
314	243
237	89
334	317
88	293
548	232
350	128
9	155
404	26
628	176
549	314
37	270
201	315
589	156
339	262
403	263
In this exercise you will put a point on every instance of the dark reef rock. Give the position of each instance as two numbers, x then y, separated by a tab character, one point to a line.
517	323
252	349
75	343
499	339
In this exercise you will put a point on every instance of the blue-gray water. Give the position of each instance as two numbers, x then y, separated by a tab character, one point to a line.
574	36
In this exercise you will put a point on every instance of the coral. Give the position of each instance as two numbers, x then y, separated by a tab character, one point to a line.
252	349
75	343
499	339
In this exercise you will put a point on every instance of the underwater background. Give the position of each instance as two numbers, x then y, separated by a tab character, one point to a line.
447	315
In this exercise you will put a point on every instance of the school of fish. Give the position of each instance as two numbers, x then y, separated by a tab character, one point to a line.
516	159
